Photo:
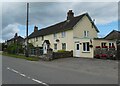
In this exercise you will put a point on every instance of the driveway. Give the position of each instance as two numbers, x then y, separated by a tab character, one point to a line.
100	67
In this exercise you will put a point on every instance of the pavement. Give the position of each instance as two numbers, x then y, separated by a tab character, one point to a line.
59	71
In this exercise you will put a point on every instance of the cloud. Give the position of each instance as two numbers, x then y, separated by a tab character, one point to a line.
60	0
48	13
9	31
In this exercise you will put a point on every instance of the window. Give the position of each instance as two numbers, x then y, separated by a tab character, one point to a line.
86	46
86	33
30	41
111	44
55	35
63	34
42	37
63	46
36	38
77	46
55	46
103	44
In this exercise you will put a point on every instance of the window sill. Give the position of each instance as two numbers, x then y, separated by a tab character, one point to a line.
85	51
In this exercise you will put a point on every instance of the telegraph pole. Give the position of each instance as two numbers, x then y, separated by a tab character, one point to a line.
26	53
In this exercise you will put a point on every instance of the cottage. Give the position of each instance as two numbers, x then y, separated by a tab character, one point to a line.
15	39
75	34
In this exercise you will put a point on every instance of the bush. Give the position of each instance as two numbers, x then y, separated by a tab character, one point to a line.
61	51
15	48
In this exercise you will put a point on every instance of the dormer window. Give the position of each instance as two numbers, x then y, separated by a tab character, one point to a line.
86	33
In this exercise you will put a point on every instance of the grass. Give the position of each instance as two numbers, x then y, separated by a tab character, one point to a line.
21	57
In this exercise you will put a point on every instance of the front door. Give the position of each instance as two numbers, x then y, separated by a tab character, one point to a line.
77	49
44	48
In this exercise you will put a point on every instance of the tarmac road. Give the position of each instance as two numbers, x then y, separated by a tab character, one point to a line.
61	71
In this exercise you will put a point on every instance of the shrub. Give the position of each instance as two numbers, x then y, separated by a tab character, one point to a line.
61	51
15	48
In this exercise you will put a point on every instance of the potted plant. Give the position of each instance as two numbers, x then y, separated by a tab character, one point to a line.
104	46
91	46
97	46
57	40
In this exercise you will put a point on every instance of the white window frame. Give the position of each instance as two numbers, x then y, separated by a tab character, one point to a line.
36	38
111	44
42	38
55	35
63	47
104	43
63	34
86	33
86	47
55	46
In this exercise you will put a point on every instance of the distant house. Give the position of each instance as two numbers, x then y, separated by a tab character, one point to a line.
75	34
16	39
114	35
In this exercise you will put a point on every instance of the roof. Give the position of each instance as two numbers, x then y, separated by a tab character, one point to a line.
102	39
113	35
19	38
62	26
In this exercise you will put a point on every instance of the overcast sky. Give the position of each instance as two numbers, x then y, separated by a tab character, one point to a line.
43	14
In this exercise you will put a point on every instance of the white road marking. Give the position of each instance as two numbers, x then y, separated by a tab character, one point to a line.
27	76
14	71
8	68
23	75
36	80
40	82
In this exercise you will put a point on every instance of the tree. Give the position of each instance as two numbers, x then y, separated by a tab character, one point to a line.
15	48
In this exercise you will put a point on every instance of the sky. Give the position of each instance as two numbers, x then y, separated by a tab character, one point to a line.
43	14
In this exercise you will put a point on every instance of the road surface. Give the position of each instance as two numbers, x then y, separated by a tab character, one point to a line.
20	71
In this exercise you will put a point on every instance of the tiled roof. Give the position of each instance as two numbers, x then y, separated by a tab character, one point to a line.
113	35
59	27
18	38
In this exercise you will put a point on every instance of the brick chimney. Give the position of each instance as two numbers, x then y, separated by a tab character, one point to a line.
35	28
16	35
70	15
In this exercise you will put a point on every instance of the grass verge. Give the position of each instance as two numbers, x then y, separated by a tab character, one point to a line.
21	57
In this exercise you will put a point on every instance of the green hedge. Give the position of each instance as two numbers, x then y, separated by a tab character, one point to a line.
21	57
15	48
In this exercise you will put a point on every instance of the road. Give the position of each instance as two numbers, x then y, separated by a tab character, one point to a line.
20	71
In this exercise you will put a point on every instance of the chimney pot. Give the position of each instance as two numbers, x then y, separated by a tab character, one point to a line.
35	28
70	15
15	35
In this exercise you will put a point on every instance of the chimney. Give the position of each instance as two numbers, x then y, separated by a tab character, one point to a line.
15	35
35	28
70	15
